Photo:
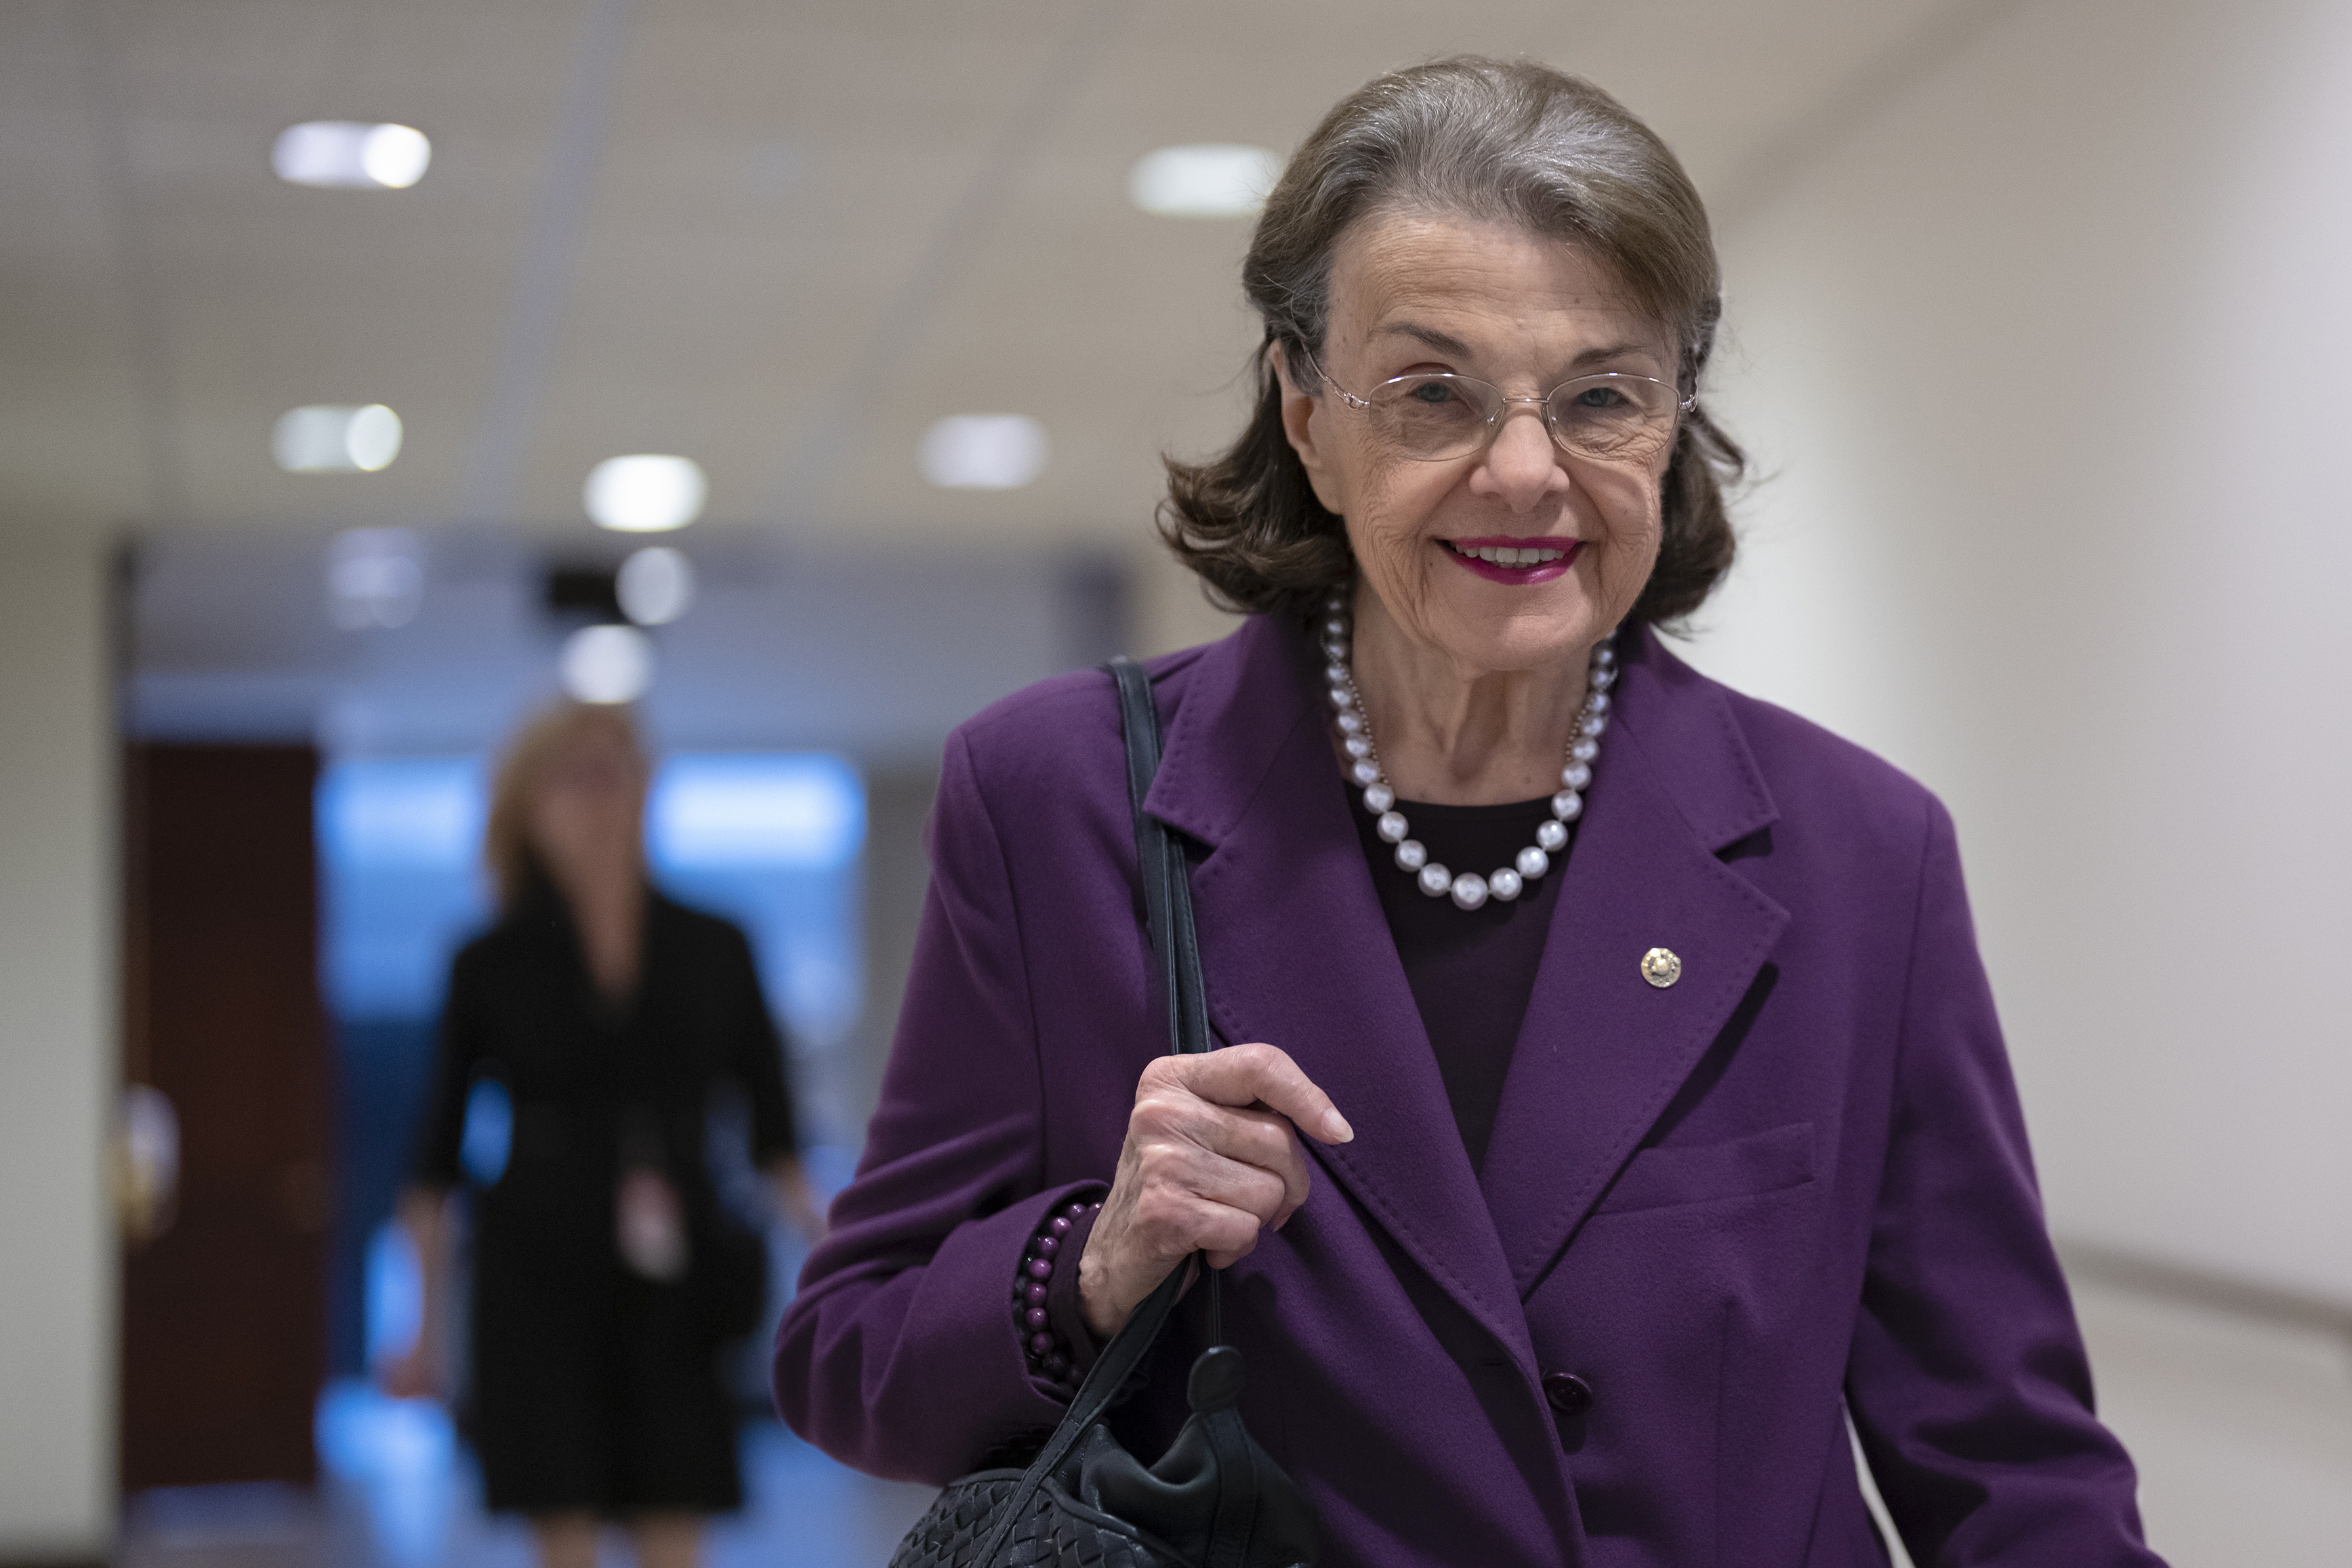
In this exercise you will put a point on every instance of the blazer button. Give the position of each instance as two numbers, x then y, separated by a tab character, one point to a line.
1568	1393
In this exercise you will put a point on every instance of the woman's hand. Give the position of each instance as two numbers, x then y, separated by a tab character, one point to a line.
1212	1157
413	1373
794	1199
417	1371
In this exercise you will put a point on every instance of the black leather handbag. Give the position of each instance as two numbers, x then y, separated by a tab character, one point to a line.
1213	1499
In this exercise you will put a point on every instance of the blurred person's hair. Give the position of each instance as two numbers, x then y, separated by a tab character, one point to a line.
1512	142
506	850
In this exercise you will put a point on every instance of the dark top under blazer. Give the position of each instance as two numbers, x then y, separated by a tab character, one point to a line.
1471	971
1799	1176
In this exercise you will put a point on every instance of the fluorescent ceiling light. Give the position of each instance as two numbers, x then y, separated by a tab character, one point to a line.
374	578
607	664
346	155
646	493
336	439
983	451
1218	179
656	585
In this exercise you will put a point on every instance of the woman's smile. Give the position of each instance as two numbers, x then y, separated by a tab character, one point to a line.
1518	562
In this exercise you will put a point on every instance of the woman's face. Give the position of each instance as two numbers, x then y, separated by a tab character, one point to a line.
586	804
1414	292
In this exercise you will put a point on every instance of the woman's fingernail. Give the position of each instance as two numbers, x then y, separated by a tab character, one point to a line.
1336	1127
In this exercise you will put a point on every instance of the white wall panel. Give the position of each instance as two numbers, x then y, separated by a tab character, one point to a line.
2045	360
58	1062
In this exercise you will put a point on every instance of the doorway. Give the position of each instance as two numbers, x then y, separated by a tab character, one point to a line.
224	1279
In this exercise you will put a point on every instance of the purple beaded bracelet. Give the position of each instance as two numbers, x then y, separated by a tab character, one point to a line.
1048	1353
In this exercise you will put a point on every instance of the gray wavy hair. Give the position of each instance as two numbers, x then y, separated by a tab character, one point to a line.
1503	141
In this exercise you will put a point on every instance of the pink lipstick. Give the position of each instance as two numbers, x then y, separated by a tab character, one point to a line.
1518	562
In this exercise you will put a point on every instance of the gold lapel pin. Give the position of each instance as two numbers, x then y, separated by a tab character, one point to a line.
1661	968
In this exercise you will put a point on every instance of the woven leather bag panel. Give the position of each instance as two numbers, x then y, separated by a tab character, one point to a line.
1049	1535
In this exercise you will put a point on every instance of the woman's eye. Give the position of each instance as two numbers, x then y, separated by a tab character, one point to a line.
1600	397
1432	392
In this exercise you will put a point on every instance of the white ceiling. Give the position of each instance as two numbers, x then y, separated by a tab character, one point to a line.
778	237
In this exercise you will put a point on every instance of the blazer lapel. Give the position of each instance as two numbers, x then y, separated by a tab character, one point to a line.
1603	1049
1298	953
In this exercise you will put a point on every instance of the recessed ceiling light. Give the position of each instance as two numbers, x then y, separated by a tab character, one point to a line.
656	585
983	451
645	492
1217	179
374	578
336	439
607	664
347	154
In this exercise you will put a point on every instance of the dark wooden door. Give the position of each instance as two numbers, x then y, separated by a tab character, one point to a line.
225	1307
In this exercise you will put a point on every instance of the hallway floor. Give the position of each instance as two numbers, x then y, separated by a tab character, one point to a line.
2242	1429
2242	1432
400	1493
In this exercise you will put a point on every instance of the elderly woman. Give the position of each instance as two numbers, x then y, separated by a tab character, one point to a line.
1611	1099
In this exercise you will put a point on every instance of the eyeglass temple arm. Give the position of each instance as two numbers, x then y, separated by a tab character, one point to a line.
1347	396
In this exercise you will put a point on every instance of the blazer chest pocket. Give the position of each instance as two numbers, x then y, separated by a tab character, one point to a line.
1748	1167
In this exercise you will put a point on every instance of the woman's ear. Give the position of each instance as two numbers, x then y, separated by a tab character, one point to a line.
1299	407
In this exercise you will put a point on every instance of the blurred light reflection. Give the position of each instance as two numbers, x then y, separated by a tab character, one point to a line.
984	451
1208	180
656	585
607	664
401	1453
336	439
647	493
345	154
374	578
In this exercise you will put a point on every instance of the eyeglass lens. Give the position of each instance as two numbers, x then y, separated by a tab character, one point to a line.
1611	419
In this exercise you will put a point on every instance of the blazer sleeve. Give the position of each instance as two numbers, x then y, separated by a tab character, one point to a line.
902	1354
437	1162
1967	1381
756	1052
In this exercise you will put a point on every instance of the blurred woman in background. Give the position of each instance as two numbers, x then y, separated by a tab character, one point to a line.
606	1269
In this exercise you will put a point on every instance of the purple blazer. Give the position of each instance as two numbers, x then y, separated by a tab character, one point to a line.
1795	1182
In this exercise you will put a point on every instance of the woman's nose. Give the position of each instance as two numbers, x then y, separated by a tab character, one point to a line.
1521	467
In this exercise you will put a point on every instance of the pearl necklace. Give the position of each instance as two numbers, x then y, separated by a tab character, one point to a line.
1469	889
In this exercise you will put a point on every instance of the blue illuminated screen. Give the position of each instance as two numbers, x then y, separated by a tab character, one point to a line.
770	839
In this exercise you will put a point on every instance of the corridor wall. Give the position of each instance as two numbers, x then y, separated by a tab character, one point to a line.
58	1062
2041	353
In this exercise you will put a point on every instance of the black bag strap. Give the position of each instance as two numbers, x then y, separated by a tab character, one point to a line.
1167	889
1176	955
1167	903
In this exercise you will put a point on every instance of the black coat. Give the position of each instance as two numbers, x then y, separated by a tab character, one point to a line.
593	1387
